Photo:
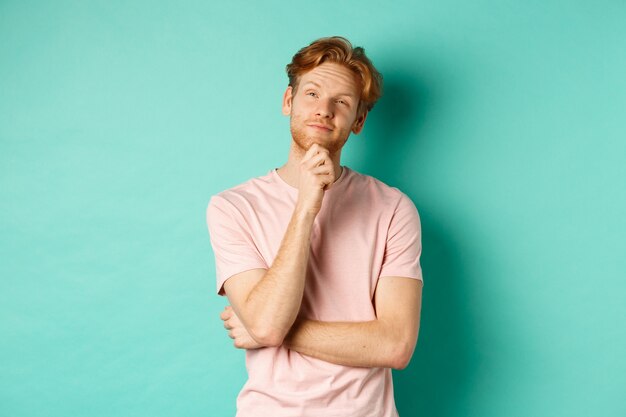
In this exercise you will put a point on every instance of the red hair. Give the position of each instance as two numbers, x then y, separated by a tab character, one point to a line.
339	50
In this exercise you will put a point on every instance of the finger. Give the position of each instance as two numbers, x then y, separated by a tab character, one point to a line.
231	335
320	148
309	153
314	150
227	325
327	180
234	320
323	170
321	158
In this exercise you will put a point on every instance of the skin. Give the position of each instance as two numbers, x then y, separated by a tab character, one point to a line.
265	303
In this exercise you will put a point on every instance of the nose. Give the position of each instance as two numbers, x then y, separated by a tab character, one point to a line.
324	109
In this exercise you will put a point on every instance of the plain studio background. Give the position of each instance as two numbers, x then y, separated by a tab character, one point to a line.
502	120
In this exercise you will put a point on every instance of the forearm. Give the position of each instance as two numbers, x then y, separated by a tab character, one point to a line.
274	303
361	344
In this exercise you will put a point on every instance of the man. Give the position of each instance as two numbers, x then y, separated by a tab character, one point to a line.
319	262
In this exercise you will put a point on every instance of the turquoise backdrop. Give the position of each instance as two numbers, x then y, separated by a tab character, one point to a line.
504	121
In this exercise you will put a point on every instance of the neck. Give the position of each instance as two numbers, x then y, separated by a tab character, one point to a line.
290	171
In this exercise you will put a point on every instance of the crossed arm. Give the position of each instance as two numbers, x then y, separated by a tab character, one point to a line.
387	341
266	302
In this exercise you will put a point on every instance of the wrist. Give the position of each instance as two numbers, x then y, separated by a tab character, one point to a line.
304	215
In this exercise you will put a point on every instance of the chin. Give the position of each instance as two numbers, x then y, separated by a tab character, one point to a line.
306	143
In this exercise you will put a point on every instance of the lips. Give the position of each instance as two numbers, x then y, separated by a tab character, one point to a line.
320	126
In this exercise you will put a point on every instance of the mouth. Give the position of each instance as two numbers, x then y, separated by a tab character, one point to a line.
320	127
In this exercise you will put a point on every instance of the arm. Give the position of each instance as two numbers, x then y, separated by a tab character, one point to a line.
388	341
397	302
267	301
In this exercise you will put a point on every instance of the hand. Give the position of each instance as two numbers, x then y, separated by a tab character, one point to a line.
317	174
237	331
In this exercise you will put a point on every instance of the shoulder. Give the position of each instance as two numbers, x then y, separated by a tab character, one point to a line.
242	193
378	190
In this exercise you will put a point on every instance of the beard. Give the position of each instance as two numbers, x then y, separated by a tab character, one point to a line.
303	139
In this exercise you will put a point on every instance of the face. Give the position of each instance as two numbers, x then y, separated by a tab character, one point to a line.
323	109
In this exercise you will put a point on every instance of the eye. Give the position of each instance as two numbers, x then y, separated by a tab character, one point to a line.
311	93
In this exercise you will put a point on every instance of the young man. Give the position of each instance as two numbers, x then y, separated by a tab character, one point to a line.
319	262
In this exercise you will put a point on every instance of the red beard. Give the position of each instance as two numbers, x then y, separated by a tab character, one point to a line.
304	138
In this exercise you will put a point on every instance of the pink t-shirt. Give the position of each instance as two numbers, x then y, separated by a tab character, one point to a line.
364	231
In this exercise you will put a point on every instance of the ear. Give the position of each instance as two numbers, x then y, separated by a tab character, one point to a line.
287	99
359	122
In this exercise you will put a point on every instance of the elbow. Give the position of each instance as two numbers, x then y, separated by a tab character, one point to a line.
402	355
270	340
267	336
399	363
267	330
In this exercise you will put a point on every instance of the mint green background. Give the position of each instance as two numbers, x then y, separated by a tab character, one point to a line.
504	121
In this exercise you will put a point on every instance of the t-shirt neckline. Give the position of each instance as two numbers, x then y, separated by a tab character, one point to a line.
283	183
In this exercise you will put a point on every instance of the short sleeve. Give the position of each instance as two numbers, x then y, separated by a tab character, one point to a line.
231	240
404	242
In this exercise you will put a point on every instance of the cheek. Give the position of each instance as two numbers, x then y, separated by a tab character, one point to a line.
350	118
348	112
296	117
296	110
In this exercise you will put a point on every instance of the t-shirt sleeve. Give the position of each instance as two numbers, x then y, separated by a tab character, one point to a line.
231	240
404	242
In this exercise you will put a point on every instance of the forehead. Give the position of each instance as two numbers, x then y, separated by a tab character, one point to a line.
333	77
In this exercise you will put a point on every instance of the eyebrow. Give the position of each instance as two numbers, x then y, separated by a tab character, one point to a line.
319	86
